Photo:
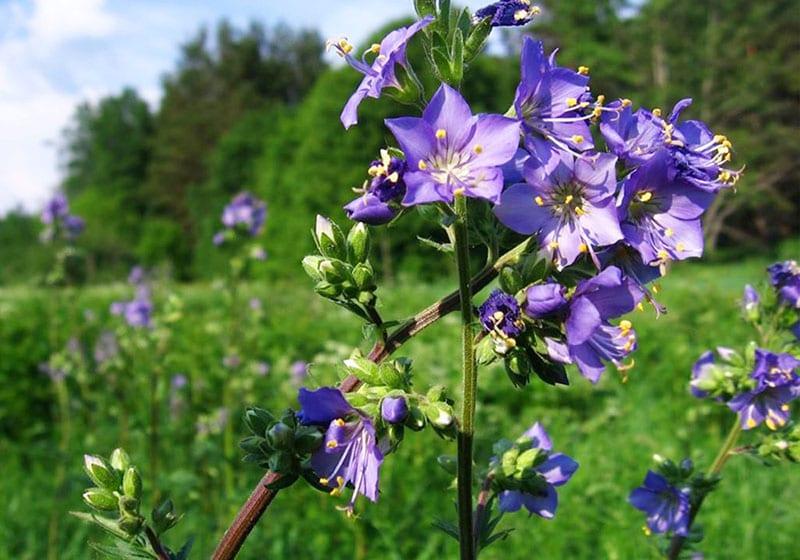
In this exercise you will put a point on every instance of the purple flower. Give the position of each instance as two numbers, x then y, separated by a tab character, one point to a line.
590	339
785	278
381	73
56	209
258	253
73	226
232	361
660	216
350	454
178	381
137	312
750	299
568	202
245	212
549	100
262	368
632	136
704	371
56	375
299	371
449	150
500	317
777	383
545	299
507	13
219	238
554	471
106	347
136	276
255	304
666	506
394	409
378	203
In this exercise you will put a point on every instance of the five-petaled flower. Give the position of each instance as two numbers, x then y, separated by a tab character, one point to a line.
380	73
350	454
666	506
451	151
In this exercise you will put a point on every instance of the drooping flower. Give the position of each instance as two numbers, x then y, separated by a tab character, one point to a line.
545	299
350	454
394	409
552	470
550	101
500	317
785	278
666	506
777	383
380	73
660	215
568	202
508	13
381	196
590	339
449	150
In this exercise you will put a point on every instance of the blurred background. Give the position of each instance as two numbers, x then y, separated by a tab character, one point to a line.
151	115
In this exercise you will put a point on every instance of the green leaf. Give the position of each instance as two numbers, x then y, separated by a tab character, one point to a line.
443	247
457	57
476	39
447	527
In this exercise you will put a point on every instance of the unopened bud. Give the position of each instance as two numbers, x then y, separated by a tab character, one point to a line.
100	499
120	460
358	243
101	473
363	275
132	484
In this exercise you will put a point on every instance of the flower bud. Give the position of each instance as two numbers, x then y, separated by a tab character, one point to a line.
328	290
132	484
750	303
545	299
334	271
440	414
358	243
394	409
101	473
128	506
131	524
363	275
120	460
100	499
311	264
280	436
330	239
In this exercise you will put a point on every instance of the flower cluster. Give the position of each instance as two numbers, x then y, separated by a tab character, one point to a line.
58	221
245	214
137	312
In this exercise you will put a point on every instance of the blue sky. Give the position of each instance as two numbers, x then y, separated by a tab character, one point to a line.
56	53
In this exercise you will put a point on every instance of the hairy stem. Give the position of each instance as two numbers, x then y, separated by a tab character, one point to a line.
676	545
261	496
466	428
155	543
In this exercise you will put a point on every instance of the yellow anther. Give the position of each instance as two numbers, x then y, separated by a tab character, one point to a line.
583	248
394	177
583	70
332	444
339	422
478	149
579	211
785	407
669	232
552	245
535	10
680	247
569	198
771	424
663	255
597	112
751	423
344	46
626	102
441	134
386	158
498	315
539	201
656	112
375	48
640	306
647	530
601	99
656	288
422	165
324	481
571	101
519	15
458	192
625	325
719	138
645	196
577	138
375	170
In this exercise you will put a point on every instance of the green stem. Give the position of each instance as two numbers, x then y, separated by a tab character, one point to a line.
676	545
466	428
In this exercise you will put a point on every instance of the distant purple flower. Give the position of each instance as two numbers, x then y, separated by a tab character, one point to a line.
795	329
661	215
262	368
255	304
500	317
568	202
136	276
546	299
56	375
231	361
590	339
449	150
508	13
666	506
394	409
350	454
219	238
750	299
245	213
73	226
555	470
777	383
57	218
549	100
381	73
179	381
56	209
106	347
785	278
137	312
299	371
380	200
258	253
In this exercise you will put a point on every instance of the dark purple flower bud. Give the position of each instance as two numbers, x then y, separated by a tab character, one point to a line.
666	506
545	299
394	409
506	13
500	317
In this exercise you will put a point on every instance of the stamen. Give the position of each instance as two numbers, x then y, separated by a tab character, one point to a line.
577	138
552	245
339	422
569	198
375	48
394	177
332	444
656	112
539	201
626	102
441	134
478	149
583	70
324	481
459	191
571	101
583	248
422	165
645	196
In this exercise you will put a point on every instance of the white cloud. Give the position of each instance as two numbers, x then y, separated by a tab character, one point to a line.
56	21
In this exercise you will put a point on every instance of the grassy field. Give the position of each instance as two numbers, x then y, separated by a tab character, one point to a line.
612	429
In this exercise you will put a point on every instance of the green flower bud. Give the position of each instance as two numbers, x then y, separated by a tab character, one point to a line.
100	499
415	419
436	393
132	484
335	271
280	436
128	506
364	277
101	473
131	525
366	298
120	460
425	7
358	243
311	264
510	280
328	290
329	238
439	414
258	420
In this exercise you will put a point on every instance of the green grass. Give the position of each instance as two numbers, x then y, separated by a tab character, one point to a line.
612	429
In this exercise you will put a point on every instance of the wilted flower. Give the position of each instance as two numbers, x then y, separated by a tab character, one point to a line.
381	196
567	201
776	384
537	493
449	150
506	13
500	317
350	454
381	73
666	506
